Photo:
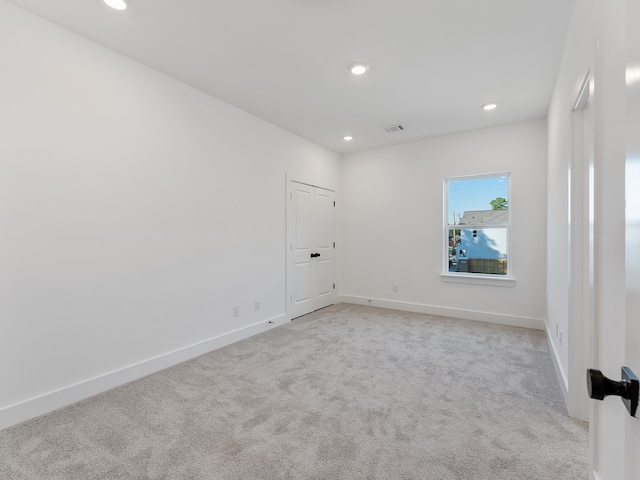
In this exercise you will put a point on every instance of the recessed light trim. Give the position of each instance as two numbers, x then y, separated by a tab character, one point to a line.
116	4
358	68
348	138
490	106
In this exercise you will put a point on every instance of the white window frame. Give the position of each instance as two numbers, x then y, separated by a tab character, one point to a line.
507	280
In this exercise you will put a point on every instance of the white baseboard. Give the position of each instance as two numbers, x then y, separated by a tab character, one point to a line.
514	321
560	373
49	402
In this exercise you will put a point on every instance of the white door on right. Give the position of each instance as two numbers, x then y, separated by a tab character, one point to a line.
615	433
310	248
632	231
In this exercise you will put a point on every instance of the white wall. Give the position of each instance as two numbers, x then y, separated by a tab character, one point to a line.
577	60
597	25
135	211
393	216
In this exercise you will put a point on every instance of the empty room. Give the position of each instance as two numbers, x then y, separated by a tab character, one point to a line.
319	239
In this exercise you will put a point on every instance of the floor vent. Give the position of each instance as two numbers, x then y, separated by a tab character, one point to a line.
394	128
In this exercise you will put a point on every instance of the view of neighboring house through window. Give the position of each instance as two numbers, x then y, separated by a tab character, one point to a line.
477	224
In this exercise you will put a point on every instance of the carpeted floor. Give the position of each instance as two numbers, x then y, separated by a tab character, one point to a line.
348	392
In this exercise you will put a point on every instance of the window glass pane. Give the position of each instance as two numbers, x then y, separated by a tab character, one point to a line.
478	201
454	249
482	250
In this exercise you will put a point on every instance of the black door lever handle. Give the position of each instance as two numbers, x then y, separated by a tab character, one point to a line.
314	255
628	388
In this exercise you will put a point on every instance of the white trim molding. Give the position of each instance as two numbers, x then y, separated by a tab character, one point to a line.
447	227
560	373
477	279
489	317
51	401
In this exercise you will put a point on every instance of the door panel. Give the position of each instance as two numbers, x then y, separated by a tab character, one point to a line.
324	219
323	239
302	273
303	218
302	197
325	281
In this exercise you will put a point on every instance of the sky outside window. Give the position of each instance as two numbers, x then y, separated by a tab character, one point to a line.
475	194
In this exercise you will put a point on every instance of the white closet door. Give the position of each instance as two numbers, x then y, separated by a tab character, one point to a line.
311	248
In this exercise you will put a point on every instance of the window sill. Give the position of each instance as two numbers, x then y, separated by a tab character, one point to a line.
476	279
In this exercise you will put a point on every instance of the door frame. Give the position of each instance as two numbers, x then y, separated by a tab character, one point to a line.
581	247
289	234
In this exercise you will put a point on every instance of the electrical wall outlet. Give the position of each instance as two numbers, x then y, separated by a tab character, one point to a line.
257	305
236	310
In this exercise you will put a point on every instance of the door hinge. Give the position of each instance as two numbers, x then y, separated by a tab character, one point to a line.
334	286
334	203
334	244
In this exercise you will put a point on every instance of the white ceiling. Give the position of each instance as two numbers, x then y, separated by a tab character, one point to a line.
433	63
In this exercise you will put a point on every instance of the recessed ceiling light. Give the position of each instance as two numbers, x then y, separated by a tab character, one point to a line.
490	106
358	68
116	4
348	137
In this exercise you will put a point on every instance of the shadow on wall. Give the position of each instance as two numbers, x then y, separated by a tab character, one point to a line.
480	244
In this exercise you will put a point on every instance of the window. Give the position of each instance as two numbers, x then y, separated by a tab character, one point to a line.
476	226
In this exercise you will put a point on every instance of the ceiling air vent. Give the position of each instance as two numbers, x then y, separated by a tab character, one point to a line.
394	128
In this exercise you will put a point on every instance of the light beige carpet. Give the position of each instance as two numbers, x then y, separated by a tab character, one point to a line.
348	392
